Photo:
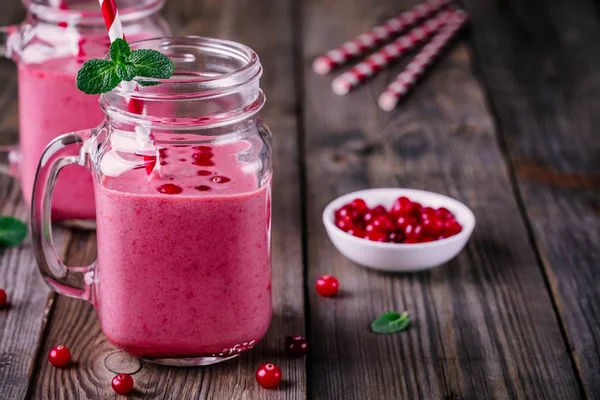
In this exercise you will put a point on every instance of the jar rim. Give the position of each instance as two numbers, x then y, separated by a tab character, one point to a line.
192	85
74	16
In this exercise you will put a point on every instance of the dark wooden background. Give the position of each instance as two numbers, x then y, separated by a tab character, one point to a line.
506	122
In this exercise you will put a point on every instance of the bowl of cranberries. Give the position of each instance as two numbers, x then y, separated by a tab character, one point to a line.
398	229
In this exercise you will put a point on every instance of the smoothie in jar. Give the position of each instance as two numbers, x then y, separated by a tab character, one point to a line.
183	258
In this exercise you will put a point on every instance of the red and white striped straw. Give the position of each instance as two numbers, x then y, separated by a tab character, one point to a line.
417	67
371	39
393	51
112	19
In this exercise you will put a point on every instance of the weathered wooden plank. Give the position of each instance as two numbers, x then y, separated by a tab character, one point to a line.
484	325
266	27
539	61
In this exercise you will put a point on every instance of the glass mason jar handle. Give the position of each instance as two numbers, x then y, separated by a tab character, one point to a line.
63	151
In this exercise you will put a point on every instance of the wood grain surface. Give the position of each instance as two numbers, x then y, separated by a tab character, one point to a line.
539	61
484	325
505	122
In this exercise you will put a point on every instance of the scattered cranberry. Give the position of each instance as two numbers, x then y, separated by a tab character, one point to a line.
203	160
327	285
122	383
170	188
162	152
135	106
3	298
203	188
220	179
63	24
149	163
203	148
296	346
268	375
406	222
204	172
59	356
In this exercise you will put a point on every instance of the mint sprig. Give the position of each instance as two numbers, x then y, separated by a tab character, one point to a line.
391	322
12	231
100	76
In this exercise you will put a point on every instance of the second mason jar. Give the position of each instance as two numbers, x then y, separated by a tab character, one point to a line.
182	178
49	48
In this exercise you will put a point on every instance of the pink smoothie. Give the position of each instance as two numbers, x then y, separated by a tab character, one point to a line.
49	105
186	274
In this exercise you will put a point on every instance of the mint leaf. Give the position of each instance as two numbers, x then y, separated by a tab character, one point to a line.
119	50
12	231
97	76
126	72
390	322
151	64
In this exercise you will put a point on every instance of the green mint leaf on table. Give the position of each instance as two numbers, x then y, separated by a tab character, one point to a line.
101	76
391	322
12	231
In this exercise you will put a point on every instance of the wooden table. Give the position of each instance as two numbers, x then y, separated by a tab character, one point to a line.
507	122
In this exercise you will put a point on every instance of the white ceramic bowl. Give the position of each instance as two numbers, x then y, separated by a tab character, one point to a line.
399	256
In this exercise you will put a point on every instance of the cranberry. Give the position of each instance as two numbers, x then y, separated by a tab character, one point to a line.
203	161
162	152
412	232
135	106
426	239
395	237
451	227
383	223
220	179
122	383
345	223
443	213
376	236
204	172
427	213
433	226
357	231
59	356
63	24
202	188
327	285
170	188
149	163
3	298
359	205
369	216
203	149
405	220
402	206
348	211
268	375
380	210
416	209
296	346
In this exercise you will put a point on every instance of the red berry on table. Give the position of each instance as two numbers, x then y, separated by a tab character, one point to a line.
3	298
376	236
122	383
296	346
327	285
433	226
170	188
402	206
59	356
268	375
359	205
383	223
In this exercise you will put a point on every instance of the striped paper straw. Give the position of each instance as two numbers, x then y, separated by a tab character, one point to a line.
112	19
371	39
417	67
393	51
